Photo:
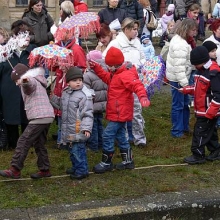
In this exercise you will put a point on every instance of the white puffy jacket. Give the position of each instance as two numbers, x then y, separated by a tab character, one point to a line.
178	66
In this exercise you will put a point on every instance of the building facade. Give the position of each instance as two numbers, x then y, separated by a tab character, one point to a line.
12	10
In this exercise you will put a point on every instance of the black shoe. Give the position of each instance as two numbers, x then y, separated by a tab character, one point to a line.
78	177
54	136
215	155
194	160
142	145
70	171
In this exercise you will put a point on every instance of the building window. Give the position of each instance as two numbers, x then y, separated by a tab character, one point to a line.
97	2
21	2
24	2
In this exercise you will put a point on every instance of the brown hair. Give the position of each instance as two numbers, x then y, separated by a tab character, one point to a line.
31	4
20	26
194	7
185	26
104	31
129	23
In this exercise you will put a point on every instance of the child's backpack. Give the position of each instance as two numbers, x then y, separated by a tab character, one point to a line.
152	21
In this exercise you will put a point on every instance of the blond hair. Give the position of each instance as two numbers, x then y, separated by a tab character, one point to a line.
4	33
67	7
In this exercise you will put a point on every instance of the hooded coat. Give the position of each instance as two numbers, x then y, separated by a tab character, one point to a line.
121	85
36	101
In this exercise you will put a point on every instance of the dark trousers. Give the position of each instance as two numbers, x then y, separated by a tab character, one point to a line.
204	134
13	134
34	135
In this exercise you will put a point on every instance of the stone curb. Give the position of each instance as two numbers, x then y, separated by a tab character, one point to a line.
195	205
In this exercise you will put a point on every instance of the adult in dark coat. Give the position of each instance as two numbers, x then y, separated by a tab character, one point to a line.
39	19
133	10
111	12
12	102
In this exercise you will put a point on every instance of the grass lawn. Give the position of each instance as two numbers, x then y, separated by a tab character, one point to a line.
152	174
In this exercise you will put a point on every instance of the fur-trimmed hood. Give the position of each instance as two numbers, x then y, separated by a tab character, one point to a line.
38	74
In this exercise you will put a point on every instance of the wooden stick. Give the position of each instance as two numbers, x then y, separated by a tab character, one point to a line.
169	84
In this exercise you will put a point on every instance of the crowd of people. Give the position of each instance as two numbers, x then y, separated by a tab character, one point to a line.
105	81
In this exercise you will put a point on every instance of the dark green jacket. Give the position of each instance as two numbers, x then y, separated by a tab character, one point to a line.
41	25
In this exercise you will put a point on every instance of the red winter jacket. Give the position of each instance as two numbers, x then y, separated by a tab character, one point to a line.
121	85
206	92
79	61
80	6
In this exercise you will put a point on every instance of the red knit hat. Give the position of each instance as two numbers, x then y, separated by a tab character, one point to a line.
114	57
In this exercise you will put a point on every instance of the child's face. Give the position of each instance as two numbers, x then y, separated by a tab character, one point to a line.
194	14
2	39
146	41
212	54
75	83
170	26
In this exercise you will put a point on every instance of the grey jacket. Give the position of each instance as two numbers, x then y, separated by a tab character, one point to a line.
77	113
41	27
92	81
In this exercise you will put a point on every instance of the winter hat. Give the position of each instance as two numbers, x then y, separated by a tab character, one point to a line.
19	70
199	55
144	37
94	55
171	7
73	73
114	57
209	45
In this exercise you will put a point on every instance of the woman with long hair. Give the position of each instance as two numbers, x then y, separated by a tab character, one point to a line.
178	70
38	18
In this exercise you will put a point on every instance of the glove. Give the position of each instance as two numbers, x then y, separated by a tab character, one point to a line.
92	64
145	102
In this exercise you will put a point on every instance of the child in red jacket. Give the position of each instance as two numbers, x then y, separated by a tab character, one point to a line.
122	80
206	93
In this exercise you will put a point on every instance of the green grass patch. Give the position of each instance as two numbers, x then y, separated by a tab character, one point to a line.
155	174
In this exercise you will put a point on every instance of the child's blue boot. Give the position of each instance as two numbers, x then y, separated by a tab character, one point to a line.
105	164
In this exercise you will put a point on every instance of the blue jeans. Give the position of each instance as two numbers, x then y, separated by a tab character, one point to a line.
78	158
191	82
115	131
180	111
129	128
218	122
59	122
95	140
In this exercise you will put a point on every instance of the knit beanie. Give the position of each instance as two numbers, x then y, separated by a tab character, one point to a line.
19	70
199	55
114	57
73	73
171	7
144	37
94	55
209	45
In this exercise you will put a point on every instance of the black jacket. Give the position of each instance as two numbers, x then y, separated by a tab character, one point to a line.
12	102
133	10
107	15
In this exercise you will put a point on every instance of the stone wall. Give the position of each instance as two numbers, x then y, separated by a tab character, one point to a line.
10	12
